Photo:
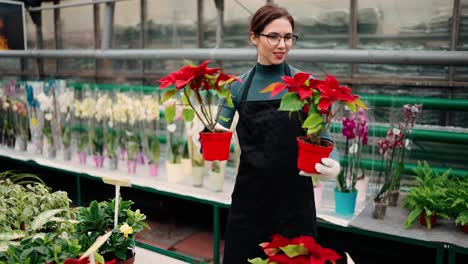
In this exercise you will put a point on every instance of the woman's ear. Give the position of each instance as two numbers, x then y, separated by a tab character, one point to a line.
253	38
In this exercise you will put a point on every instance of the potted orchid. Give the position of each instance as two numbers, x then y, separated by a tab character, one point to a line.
22	124
65	102
151	142
194	81
32	89
301	249
312	100
97	136
356	130
84	112
46	105
393	149
176	139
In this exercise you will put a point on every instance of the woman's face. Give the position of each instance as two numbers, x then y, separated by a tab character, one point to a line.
268	53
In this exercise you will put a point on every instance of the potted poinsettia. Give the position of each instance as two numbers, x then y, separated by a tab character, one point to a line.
301	249
198	85
312	100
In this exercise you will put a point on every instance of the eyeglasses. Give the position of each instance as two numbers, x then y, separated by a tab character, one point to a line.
275	39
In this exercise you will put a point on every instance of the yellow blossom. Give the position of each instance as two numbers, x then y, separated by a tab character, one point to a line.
126	229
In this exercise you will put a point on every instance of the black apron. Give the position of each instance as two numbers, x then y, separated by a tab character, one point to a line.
269	196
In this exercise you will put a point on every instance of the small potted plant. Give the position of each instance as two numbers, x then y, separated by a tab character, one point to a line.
462	221
186	160
198	85
355	129
312	100
301	249
98	218
65	102
429	198
154	153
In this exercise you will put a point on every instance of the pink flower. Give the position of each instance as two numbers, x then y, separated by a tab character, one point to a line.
348	128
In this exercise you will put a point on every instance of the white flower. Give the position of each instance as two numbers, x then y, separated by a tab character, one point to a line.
46	103
353	149
407	144
103	106
88	107
110	124
48	116
171	128
65	101
77	108
396	131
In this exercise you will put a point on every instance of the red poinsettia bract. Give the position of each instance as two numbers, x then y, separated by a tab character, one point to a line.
331	91
299	250
195	75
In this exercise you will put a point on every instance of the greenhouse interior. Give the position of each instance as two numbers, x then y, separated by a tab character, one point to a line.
107	107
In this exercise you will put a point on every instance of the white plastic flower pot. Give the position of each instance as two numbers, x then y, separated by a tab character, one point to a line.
197	175
187	164
174	172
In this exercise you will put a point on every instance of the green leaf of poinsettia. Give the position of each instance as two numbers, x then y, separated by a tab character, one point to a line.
294	250
185	96
291	102
225	119
170	113
167	95
313	123
188	114
258	261
351	107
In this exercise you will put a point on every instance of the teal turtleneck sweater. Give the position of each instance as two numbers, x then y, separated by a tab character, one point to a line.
264	76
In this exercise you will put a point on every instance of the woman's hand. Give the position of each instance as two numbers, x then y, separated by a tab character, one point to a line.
327	169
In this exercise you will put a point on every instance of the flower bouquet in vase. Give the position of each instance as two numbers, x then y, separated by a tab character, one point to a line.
199	85
355	129
65	102
312	100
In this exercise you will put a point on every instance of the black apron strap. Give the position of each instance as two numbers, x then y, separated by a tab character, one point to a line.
245	92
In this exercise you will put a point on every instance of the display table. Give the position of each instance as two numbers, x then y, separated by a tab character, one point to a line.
444	238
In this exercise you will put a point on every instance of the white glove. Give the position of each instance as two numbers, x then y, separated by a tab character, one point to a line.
196	136
327	169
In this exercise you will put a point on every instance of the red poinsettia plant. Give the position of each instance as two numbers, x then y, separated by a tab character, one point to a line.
198	85
312	99
299	250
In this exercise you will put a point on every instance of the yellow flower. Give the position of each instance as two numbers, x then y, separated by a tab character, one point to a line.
126	230
34	122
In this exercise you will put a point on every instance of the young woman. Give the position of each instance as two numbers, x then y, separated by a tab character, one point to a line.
269	197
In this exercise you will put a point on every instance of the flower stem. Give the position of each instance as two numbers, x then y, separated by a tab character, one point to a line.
194	109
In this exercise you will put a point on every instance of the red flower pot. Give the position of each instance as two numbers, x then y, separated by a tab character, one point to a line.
215	146
310	154
422	219
465	228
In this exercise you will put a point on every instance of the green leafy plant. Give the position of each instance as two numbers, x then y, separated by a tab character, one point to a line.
186	152
429	197
97	139
98	219
462	218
